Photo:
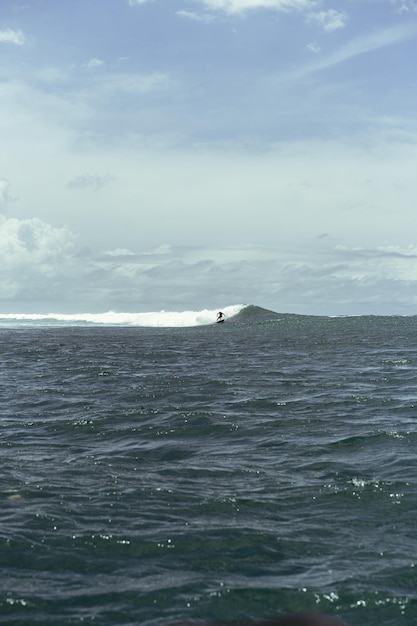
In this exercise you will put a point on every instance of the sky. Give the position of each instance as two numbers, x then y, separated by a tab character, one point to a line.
189	154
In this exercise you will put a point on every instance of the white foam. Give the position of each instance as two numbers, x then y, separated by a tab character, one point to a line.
162	319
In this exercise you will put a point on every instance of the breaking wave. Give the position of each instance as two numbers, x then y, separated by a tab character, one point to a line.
160	319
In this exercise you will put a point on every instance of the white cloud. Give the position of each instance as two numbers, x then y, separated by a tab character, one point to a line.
330	20
119	252
334	280
32	241
12	36
89	181
34	259
38	263
242	6
164	248
134	83
50	75
93	63
373	41
405	6
313	47
196	17
361	45
4	194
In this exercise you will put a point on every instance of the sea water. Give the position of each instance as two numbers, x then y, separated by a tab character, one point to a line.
200	471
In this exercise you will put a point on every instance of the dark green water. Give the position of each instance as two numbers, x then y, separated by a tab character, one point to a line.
230	473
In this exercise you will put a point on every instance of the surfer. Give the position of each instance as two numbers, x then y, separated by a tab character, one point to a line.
220	317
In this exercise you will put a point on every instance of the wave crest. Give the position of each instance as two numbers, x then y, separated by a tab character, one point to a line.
159	319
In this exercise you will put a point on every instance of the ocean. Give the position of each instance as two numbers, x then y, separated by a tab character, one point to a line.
159	468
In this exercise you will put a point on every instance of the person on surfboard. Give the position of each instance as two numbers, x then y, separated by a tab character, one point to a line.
220	317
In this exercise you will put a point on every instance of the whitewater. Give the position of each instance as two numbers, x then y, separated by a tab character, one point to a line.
160	319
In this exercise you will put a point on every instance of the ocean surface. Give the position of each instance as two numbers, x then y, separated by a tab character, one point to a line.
158	468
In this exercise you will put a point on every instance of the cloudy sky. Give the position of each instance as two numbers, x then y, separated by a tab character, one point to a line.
188	154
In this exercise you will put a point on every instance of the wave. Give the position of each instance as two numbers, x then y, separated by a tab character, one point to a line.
254	313
160	319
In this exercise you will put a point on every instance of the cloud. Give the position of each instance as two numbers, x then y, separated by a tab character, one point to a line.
50	75
119	253
12	36
195	17
133	83
33	259
313	47
93	63
32	241
362	45
405	6
242	6
4	195
334	280
89	181
330	20
84	104
39	263
377	39
381	252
